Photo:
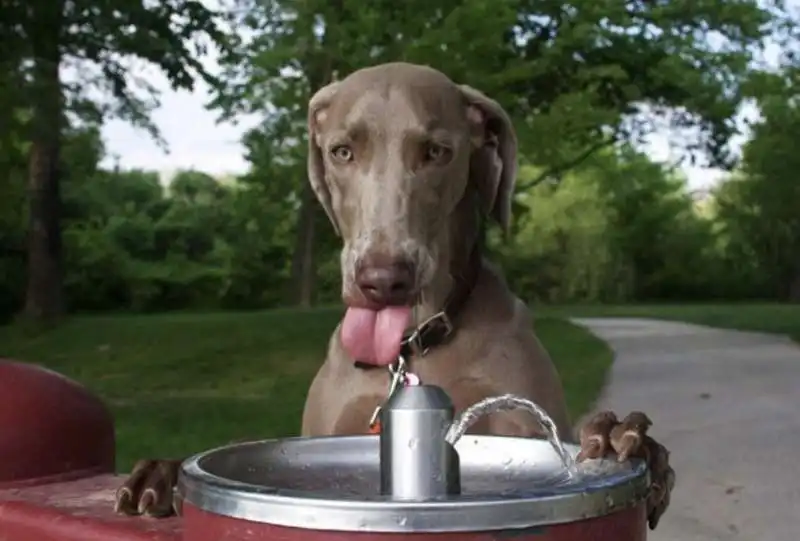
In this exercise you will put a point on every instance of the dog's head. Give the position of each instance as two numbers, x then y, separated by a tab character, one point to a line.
396	153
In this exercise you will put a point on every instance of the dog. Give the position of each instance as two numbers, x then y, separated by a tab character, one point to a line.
406	165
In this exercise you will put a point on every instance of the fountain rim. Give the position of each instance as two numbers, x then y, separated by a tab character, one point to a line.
300	509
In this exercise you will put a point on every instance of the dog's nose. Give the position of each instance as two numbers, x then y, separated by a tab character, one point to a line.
386	282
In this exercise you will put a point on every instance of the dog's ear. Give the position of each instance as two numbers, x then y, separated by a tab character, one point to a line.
493	166
317	107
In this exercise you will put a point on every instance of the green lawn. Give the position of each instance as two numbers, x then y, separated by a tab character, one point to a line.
181	383
773	318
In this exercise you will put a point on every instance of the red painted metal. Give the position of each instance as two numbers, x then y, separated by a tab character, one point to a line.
626	525
56	458
83	510
51	428
78	510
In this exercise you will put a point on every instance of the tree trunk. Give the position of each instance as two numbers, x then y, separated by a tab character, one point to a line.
44	300
303	271
319	72
794	290
793	286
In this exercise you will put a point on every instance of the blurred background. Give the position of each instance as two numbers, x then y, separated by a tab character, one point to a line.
658	142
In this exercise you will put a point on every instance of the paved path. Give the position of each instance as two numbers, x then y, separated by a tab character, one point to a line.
727	405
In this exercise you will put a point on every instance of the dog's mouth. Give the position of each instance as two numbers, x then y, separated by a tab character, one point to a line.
374	335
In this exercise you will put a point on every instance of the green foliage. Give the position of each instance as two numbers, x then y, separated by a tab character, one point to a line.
575	76
564	229
595	220
758	209
103	40
618	228
104	44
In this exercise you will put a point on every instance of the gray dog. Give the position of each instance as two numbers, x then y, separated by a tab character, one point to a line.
405	163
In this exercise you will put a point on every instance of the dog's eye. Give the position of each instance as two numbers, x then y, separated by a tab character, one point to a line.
342	153
435	153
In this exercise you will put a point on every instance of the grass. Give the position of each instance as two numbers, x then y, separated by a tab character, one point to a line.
771	318
182	383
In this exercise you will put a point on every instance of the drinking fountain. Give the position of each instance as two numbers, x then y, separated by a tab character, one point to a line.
422	478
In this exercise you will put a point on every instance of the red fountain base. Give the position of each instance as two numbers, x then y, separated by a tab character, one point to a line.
56	459
628	525
82	510
79	510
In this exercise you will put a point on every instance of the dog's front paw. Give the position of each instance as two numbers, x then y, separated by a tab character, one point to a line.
150	489
604	433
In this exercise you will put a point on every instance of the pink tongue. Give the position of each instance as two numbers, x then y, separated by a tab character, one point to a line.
374	336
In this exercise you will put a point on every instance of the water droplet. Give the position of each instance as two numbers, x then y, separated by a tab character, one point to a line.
402	521
412	443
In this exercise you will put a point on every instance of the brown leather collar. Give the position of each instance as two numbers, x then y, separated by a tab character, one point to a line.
439	328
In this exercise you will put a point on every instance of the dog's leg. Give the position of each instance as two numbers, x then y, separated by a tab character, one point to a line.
602	434
595	436
149	490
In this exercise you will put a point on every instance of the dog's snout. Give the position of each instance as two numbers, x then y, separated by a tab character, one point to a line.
386	282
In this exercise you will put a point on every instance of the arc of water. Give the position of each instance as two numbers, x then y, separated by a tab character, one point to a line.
510	402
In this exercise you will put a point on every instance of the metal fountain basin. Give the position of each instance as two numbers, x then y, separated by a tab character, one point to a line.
333	484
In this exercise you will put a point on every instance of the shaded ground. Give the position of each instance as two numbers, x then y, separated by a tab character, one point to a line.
725	403
182	383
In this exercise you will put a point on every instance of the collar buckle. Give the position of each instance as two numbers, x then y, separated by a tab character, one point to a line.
428	334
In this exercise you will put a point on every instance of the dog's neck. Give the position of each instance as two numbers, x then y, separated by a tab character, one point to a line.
451	289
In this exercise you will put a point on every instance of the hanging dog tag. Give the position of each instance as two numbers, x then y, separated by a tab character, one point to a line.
399	377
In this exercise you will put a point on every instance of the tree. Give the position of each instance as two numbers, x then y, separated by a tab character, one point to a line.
758	208
658	242
576	77
561	251
102	39
617	228
12	216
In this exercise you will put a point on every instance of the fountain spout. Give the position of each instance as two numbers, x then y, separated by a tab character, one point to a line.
417	462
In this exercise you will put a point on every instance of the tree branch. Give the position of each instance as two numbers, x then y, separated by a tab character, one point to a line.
566	166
